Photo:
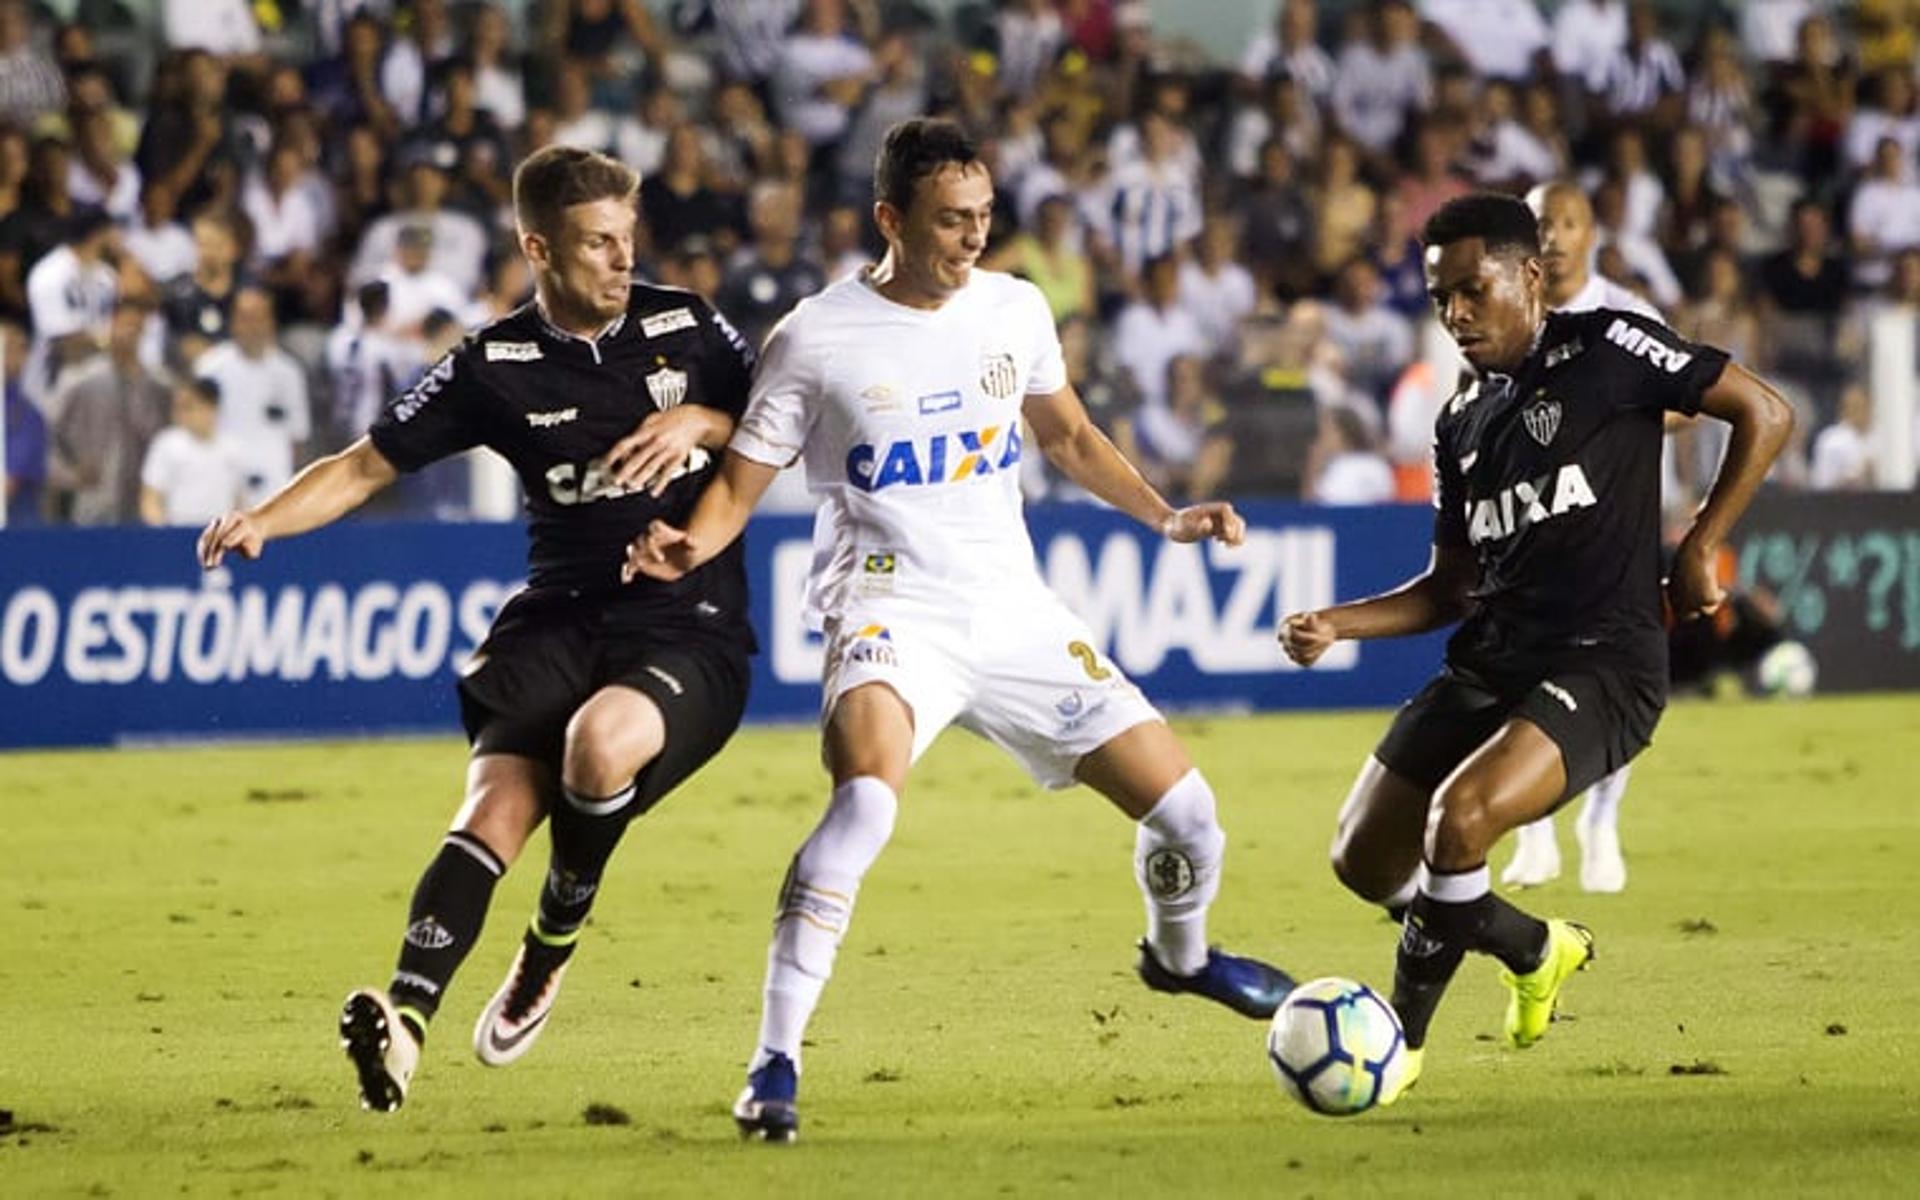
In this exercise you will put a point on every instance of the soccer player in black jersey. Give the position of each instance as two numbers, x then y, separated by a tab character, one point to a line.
591	697
1546	549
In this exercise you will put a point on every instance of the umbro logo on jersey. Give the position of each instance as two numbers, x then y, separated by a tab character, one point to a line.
547	420
1528	503
880	399
1542	418
1639	342
513	352
660	324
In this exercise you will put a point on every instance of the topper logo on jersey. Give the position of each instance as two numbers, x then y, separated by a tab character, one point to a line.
1528	503
942	458
1637	341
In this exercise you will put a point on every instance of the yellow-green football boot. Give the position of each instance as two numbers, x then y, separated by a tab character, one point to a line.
1536	993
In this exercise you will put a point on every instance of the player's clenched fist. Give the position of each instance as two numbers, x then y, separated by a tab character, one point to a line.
1198	522
233	531
664	552
1305	636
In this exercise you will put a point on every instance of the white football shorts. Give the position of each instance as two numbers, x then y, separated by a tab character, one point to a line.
1028	679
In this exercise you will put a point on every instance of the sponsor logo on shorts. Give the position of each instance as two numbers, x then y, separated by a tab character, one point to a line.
1169	874
667	322
673	684
428	934
1072	705
513	352
872	644
1561	694
547	420
1089	660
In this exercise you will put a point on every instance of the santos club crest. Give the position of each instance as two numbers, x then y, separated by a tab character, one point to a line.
998	376
668	387
1542	418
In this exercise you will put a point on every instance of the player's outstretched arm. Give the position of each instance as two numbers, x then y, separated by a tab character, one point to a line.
1435	598
325	490
1762	421
1073	443
667	553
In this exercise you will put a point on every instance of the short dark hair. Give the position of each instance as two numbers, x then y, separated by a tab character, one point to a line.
914	150
555	178
1504	223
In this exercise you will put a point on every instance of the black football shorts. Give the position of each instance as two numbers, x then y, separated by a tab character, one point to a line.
1599	716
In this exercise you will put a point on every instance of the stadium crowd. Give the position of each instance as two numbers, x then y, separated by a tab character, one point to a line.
230	230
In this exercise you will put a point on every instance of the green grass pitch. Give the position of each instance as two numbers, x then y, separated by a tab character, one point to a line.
178	927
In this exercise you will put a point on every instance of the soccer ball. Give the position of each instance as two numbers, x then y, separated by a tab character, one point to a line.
1336	1046
1787	669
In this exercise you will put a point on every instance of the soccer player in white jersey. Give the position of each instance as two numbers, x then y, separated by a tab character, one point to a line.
1572	285
902	388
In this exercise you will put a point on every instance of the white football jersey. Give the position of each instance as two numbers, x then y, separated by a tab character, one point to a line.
1602	292
908	421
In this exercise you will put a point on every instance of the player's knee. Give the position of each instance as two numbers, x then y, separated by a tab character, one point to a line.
1461	828
1358	871
606	746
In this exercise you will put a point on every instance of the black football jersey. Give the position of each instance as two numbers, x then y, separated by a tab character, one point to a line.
552	404
1552	477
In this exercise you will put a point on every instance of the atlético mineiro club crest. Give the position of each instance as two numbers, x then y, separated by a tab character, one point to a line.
998	376
1542	418
668	387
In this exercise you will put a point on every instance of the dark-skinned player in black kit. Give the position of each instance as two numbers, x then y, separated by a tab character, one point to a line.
591	697
1546	550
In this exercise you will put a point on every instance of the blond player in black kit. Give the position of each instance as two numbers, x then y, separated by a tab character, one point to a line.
591	697
1546	550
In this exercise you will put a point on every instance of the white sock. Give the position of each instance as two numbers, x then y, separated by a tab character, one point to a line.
1457	887
1602	810
816	903
1533	836
1176	861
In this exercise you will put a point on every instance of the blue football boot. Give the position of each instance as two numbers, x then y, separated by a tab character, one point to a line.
767	1109
1245	985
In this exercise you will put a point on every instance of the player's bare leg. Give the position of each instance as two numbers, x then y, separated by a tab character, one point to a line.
869	745
1516	776
1178	847
383	1031
1378	836
609	740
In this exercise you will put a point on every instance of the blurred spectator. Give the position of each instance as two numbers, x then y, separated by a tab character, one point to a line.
105	413
221	27
70	293
771	275
346	86
414	288
1644	82
498	86
1214	287
1279	235
1505	152
611	39
198	306
1180	442
1396	258
898	93
263	394
1103	385
1290	49
409	60
286	231
1587	34
26	436
1691	198
468	139
750	33
1884	217
1640	256
1807	277
1724	315
1376	341
459	242
1287	115
1382	78
1433	181
1344	208
1155	329
1720	103
1053	257
576	121
1888	33
100	173
1149	206
1343	467
677	203
693	265
1889	113
824	68
192	472
842	253
742	137
1804	292
160	244
90	90
1497	39
1842	458
1770	29
1811	99
367	365
190	142
1062	170
640	137
30	82
1027	37
38	224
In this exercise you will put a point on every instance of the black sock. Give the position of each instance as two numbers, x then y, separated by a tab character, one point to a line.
449	908
585	831
1516	939
1397	913
1431	947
